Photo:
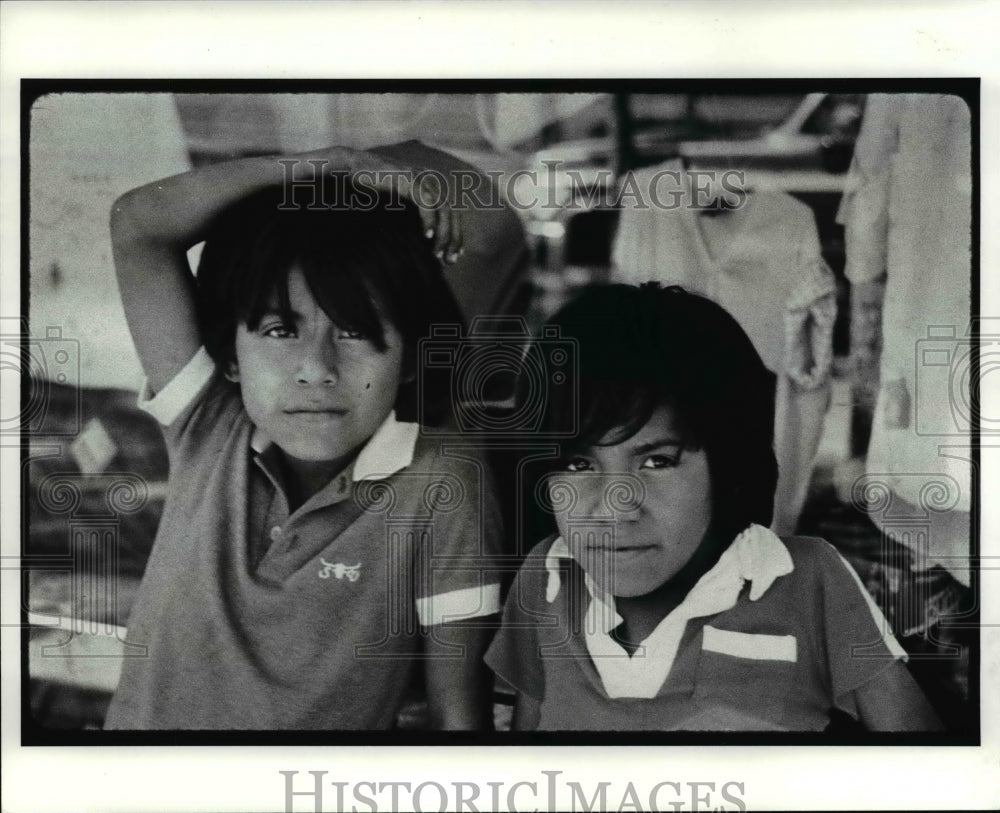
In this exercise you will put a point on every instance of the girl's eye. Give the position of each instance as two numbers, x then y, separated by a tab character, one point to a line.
352	334
659	461
279	331
578	464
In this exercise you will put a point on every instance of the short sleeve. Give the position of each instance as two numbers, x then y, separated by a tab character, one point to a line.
170	403
459	573
195	410
858	640
514	655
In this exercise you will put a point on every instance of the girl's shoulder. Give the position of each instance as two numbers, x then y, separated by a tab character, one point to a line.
815	559
808	548
538	563
542	549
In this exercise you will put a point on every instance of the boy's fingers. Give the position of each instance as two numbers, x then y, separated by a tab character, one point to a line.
429	220
428	190
457	244
442	234
414	192
418	190
430	195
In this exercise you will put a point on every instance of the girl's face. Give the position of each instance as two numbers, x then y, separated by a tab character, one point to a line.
633	537
316	390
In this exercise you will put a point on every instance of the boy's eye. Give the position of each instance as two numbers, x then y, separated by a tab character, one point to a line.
351	334
578	464
278	331
659	461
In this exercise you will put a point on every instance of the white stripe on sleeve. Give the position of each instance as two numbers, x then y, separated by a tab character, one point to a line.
880	620
171	401
457	605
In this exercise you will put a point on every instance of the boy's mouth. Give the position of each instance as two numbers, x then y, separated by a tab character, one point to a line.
318	412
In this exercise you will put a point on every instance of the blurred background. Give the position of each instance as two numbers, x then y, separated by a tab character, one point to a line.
96	468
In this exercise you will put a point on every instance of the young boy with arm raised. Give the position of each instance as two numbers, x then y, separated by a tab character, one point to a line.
309	558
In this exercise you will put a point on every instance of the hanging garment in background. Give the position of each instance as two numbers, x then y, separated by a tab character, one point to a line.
762	262
907	214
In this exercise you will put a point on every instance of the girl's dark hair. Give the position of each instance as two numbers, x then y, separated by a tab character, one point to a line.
364	257
642	347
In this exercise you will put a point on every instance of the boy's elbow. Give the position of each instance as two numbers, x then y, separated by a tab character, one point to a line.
133	217
122	218
132	227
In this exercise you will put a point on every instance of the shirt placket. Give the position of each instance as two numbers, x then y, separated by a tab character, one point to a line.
283	532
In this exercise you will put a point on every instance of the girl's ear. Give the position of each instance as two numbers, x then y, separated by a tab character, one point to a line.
232	372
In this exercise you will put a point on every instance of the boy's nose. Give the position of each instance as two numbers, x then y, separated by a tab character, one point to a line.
318	365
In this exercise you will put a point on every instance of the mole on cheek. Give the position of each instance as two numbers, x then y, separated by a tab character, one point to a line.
368	386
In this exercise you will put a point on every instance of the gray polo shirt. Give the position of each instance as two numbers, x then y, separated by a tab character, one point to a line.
257	618
779	661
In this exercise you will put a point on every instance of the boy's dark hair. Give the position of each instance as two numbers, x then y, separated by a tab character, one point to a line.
642	347
361	262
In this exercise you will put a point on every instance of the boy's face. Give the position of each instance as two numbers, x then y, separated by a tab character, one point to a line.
317	391
653	537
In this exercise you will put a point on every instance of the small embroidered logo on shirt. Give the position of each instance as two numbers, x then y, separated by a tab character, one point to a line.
351	572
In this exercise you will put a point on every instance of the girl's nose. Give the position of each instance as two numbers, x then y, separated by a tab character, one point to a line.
624	495
318	364
599	496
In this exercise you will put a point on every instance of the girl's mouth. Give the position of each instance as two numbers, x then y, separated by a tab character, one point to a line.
618	550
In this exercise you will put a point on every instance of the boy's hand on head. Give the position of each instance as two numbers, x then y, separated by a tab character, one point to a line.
442	220
432	190
435	198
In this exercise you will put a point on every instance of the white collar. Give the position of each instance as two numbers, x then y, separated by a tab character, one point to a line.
387	451
756	555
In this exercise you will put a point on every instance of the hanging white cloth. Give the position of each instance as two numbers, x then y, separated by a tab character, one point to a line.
907	214
762	263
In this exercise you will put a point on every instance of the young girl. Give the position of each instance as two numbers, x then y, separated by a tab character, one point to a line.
664	602
309	557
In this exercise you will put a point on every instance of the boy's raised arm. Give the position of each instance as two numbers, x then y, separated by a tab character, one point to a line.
152	228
